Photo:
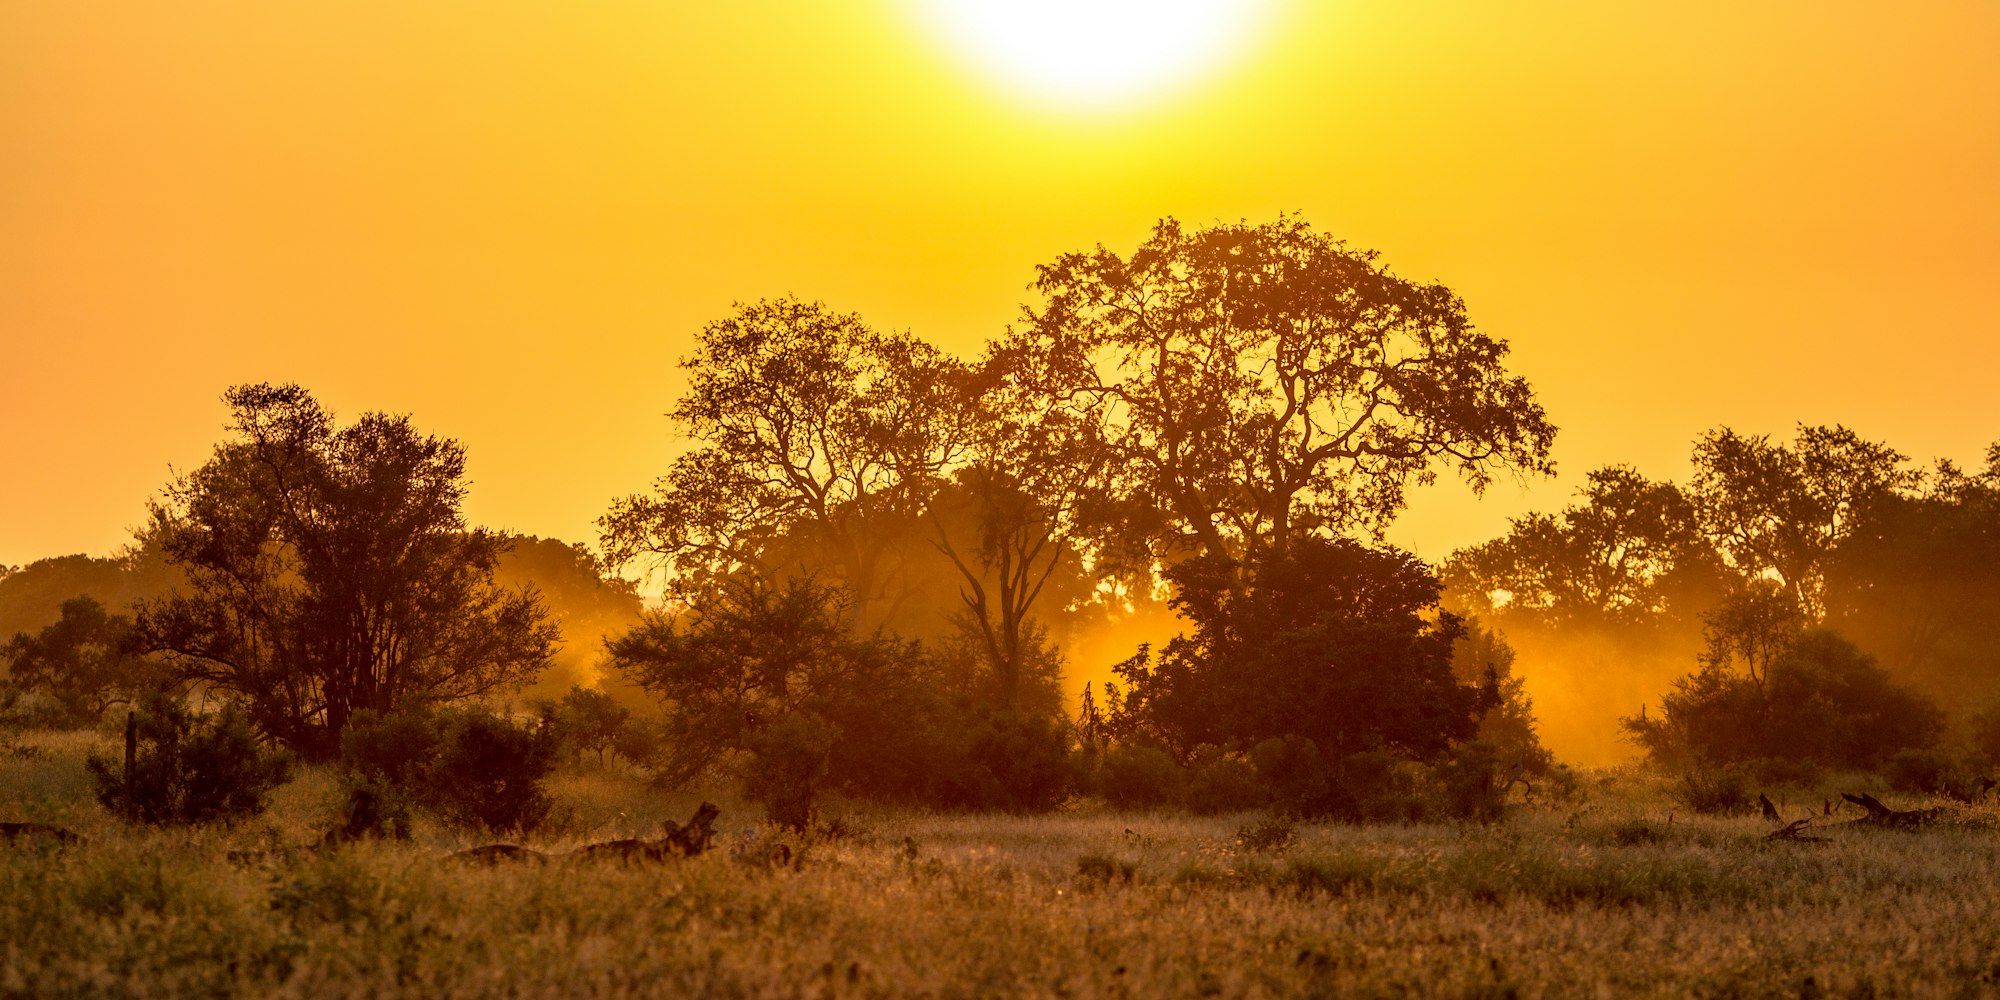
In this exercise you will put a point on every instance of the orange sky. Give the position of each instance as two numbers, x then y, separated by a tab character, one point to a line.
507	218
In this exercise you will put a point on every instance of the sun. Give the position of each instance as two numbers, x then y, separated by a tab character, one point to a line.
1094	53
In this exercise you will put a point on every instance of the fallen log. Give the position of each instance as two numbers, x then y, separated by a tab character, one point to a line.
1795	831
1884	817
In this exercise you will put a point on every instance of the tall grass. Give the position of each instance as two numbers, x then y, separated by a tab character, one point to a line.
1598	898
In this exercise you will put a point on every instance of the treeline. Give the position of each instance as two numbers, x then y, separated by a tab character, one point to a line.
874	554
874	550
1822	599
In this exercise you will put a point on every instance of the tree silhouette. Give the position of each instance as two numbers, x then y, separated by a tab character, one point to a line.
87	660
1257	384
1631	552
1778	509
330	571
819	442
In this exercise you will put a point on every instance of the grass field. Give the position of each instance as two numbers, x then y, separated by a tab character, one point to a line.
1600	896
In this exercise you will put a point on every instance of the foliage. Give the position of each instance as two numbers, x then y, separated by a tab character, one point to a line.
588	721
1141	778
788	765
1715	790
1220	782
329	571
472	766
817	433
1630	553
1484	659
1254	384
86	661
1301	780
190	769
1818	699
1331	641
1783	509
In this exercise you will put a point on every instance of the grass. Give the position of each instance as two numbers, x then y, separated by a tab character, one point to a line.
1603	897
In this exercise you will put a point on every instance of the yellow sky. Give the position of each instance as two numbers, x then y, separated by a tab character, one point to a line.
507	218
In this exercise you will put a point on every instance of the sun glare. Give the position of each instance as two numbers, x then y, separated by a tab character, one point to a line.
1094	53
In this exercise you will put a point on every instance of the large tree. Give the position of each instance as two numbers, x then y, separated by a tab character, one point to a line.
1259	383
329	570
1781	510
818	441
1630	552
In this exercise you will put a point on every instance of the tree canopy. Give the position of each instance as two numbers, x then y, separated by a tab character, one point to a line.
1259	383
329	570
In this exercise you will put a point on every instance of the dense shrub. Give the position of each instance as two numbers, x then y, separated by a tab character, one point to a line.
788	767
1710	791
190	769
1300	781
1013	761
1223	783
1934	772
471	766
1820	699
1472	784
1141	778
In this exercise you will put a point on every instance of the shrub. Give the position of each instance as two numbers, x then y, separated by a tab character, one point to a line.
1385	787
1300	781
470	765
1470	782
1142	778
1013	761
1221	783
1714	790
488	771
788	764
191	770
1933	772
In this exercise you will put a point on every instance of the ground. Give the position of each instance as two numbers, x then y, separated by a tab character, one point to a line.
1611	893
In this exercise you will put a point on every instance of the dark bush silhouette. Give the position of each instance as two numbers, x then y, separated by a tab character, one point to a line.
788	767
1820	699
472	767
1334	642
1142	778
1223	783
190	769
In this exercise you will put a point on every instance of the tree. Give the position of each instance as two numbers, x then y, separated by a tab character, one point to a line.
329	571
1917	581
189	769
86	660
1779	510
1821	700
819	442
1334	642
1260	384
1630	553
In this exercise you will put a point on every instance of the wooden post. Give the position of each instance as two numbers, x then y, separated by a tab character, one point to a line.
131	767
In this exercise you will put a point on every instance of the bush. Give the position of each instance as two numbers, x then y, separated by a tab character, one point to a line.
1933	772
191	770
1142	778
1300	781
1221	783
1715	791
488	771
1013	761
469	765
788	763
1470	783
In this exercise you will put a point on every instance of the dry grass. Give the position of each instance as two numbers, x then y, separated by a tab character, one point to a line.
1598	898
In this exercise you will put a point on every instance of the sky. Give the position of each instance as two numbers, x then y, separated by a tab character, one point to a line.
508	219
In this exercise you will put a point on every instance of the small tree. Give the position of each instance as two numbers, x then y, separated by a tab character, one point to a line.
189	769
86	660
590	721
329	571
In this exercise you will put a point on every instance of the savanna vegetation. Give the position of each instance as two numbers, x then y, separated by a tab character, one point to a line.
871	563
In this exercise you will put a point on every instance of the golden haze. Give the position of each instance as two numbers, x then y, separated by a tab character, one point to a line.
508	218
